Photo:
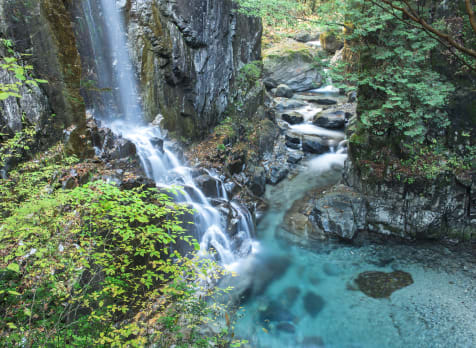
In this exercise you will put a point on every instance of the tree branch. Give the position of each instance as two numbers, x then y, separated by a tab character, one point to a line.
411	14
472	17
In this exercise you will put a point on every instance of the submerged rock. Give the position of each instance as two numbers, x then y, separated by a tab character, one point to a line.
313	303
276	312
312	342
382	285
290	295
286	327
287	104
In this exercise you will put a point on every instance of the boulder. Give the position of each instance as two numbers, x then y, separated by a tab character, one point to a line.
340	212
294	157
258	181
314	144
306	36
330	119
208	185
283	91
291	64
276	174
293	117
382	285
287	104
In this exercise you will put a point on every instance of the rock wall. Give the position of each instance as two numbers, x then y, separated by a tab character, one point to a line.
188	55
41	30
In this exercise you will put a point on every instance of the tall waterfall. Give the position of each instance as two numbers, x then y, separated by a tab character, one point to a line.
122	113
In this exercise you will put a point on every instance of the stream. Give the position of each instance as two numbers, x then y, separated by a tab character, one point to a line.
304	297
290	295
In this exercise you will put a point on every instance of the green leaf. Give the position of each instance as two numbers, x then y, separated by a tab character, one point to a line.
14	267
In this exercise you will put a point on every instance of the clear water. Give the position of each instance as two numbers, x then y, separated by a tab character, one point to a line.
437	310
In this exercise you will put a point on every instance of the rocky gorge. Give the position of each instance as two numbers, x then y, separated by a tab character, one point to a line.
315	215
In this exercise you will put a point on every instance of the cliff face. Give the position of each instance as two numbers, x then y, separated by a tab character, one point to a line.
41	31
188	55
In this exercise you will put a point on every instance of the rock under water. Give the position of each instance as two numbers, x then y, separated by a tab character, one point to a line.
382	285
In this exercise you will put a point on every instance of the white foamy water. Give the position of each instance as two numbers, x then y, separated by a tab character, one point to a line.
310	129
157	158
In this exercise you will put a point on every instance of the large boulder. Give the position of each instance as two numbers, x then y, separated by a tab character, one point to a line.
284	91
293	65
314	144
330	119
340	212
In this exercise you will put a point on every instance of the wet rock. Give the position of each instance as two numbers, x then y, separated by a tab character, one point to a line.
352	97
293	117
314	144
330	119
294	157
158	143
294	146
290	295
382	285
313	303
340	212
258	181
275	312
277	174
312	342
286	327
283	104
208	185
292	138
318	98
283	91
122	148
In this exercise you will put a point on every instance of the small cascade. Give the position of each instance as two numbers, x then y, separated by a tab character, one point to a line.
159	162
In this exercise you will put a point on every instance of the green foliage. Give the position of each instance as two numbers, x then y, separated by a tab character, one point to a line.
400	95
249	75
97	265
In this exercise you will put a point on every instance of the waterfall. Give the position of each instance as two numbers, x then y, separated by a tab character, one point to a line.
125	117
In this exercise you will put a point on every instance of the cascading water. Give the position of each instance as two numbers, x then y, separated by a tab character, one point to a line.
159	162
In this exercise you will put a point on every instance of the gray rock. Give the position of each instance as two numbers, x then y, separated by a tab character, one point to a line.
295	69
306	36
294	157
340	212
314	144
258	181
208	185
283	91
287	104
330	119
277	174
293	117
